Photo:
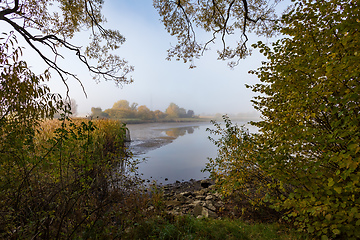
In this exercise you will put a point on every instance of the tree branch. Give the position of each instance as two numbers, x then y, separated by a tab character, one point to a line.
10	10
110	65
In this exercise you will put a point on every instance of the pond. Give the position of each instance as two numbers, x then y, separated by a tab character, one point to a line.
172	151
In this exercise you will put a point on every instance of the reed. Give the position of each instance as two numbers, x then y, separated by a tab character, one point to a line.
62	179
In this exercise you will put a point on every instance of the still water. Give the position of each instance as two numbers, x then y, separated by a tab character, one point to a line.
172	151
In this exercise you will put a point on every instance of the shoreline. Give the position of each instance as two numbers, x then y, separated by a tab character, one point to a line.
146	137
193	197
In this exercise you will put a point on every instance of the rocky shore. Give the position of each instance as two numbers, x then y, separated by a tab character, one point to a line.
197	198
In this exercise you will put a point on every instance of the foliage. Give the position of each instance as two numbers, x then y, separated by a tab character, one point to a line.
46	26
22	97
57	178
144	113
70	107
98	113
236	168
67	182
306	155
132	113
60	179
219	18
173	110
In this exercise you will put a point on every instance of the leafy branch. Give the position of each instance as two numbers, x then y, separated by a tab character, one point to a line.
110	67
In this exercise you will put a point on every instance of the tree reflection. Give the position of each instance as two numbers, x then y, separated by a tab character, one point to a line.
181	131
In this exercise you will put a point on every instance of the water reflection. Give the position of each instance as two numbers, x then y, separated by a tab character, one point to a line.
147	137
181	131
183	159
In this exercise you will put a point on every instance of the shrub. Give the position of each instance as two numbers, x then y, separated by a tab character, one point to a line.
306	154
68	181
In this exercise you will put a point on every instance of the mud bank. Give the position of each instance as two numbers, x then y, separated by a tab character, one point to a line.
149	136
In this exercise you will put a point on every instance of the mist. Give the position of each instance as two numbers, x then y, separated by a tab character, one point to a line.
211	88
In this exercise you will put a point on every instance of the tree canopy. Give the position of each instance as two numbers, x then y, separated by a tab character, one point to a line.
183	18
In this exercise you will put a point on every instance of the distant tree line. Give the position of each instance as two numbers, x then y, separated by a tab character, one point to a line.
122	109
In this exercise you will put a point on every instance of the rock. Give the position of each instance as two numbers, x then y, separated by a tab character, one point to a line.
204	191
173	203
205	183
192	197
186	194
196	202
210	206
200	197
212	214
180	198
198	210
209	197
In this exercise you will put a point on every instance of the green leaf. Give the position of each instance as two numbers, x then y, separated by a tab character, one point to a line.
338	189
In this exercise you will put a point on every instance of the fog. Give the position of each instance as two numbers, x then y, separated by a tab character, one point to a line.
212	87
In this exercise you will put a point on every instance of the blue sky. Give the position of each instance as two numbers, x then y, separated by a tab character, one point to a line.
210	88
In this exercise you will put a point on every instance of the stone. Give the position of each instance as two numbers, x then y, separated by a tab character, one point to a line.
198	210
204	191
172	203
194	203
210	206
209	197
191	198
205	183
208	213
200	197
180	198
212	214
186	194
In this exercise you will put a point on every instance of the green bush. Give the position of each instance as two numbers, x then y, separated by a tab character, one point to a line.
68	180
305	158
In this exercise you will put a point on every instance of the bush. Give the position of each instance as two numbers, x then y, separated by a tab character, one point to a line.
67	183
305	158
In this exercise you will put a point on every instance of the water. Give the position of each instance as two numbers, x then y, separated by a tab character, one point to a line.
173	151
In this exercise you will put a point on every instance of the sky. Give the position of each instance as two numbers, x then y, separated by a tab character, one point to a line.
212	87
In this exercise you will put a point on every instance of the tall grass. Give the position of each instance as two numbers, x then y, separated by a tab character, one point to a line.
62	179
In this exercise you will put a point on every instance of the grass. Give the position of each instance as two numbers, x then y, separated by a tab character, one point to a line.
187	227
